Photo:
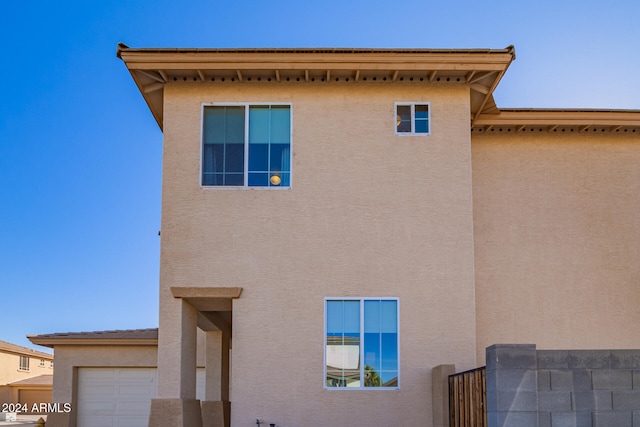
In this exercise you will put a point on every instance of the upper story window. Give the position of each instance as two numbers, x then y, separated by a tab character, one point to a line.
246	145
24	363
361	347
412	119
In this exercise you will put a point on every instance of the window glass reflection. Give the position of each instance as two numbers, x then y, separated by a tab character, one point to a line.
403	118
375	340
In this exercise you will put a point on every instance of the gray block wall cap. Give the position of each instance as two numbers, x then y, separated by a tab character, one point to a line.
495	346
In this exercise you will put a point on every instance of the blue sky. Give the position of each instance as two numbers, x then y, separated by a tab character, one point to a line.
80	154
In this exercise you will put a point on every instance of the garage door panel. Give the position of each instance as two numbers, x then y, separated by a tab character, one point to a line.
101	407
34	397
136	375
115	397
137	390
120	397
132	422
97	390
98	374
96	421
131	407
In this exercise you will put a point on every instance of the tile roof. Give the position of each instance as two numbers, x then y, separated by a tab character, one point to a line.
114	337
46	380
7	347
149	333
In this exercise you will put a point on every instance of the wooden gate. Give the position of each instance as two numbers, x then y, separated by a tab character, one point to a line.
467	398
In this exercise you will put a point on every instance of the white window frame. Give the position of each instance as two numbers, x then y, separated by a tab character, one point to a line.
41	362
23	366
246	146
324	346
413	118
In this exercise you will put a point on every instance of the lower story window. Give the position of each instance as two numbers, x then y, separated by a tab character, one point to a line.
361	343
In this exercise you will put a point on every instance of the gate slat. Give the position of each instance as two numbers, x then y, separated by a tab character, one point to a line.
467	398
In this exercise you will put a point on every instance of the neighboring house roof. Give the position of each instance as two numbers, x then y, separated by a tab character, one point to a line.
40	380
481	69
7	347
114	337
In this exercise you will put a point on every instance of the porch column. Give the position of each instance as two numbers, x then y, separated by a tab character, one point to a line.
210	309
176	405
216	406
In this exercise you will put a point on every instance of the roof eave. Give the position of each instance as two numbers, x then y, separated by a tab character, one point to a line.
560	117
53	342
152	69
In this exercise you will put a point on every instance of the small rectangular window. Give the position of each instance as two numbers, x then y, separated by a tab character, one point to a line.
246	146
412	118
41	362
361	343
24	363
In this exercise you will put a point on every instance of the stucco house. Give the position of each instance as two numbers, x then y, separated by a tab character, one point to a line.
26	376
338	222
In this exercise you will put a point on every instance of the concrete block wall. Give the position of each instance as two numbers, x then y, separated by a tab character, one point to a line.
562	388
512	385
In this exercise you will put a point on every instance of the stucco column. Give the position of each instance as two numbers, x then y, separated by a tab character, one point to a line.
440	394
176	405
216	407
65	390
217	359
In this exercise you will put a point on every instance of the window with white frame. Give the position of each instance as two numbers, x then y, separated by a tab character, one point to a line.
361	343
41	362
24	363
247	145
412	118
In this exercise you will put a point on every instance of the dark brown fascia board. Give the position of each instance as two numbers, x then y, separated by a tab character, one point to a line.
123	48
560	117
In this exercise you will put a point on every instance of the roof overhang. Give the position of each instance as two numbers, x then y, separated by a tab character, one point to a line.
559	120
40	381
481	69
6	347
137	337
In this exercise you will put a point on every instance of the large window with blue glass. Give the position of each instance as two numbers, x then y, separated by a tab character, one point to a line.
246	145
361	343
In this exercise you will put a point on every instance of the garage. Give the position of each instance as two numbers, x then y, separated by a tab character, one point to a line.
115	397
34	398
119	397
33	392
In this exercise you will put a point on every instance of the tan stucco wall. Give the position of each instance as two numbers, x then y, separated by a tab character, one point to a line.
10	362
368	214
557	240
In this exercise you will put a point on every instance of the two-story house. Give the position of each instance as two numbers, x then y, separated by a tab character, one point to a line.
26	375
337	222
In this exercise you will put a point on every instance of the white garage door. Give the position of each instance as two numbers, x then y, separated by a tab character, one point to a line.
119	397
